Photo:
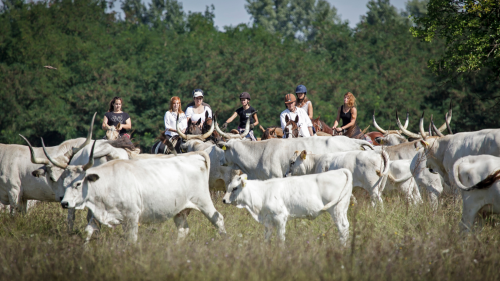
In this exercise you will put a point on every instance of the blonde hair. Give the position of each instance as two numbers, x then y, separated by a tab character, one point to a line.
174	99
351	102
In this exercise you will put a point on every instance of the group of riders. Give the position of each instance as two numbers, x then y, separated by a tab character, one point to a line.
298	109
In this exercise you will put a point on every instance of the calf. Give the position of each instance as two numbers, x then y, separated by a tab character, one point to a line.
130	192
365	166
477	177
273	202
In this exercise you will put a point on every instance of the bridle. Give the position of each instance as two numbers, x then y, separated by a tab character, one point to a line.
295	130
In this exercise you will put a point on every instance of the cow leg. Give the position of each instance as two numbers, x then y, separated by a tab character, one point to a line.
469	214
280	222
13	201
131	227
339	216
182	225
416	193
71	219
353	200
433	198
23	205
92	226
268	231
216	218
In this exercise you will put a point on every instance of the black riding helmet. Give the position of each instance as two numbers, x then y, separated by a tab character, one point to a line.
245	95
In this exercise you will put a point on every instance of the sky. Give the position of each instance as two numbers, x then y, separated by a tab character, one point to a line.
232	12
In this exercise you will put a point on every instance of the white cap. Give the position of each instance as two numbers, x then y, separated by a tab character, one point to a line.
197	94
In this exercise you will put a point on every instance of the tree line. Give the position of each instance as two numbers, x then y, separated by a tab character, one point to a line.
158	51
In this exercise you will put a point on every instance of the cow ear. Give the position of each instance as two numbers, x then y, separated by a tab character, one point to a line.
296	153
303	155
92	177
287	119
244	179
223	145
297	119
39	172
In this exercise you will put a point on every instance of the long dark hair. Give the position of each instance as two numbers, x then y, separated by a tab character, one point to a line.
300	103
112	103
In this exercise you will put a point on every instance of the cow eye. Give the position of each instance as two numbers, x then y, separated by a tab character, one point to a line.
293	162
234	189
78	184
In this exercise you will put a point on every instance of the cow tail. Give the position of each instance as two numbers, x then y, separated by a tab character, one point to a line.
486	183
348	181
385	171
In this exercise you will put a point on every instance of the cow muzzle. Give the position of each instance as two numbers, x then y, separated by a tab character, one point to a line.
65	205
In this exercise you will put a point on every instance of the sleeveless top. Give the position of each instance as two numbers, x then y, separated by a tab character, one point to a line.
305	107
346	117
353	131
244	115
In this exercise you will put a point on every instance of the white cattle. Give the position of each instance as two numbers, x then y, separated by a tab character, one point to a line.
274	201
401	178
445	151
17	185
130	192
477	178
271	158
220	176
369	168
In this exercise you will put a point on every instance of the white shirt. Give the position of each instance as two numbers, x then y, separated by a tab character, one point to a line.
170	120
303	124
195	117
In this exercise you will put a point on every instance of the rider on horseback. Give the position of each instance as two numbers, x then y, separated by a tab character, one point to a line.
292	112
245	112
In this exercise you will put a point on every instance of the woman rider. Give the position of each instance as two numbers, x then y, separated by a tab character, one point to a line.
348	113
303	102
197	111
170	118
244	112
116	116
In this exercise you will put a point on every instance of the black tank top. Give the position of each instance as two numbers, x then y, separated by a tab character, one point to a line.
346	117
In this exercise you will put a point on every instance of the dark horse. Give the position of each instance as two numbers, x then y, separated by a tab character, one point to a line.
272	132
321	126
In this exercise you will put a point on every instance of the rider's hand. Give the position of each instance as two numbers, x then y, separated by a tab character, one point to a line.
339	129
224	126
252	126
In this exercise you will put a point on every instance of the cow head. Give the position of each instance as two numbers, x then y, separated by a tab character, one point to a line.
426	158
234	189
291	128
112	132
297	163
74	183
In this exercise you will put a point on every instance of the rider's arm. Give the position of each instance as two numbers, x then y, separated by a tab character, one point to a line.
105	123
168	122
282	120
337	120
310	110
189	112
256	119
230	119
127	125
354	115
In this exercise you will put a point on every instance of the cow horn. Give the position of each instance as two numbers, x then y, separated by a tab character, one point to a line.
448	119
56	163
377	126
421	127
404	130
247	126
181	134
407	119
87	141
436	129
430	130
91	159
34	160
209	133
224	135
450	132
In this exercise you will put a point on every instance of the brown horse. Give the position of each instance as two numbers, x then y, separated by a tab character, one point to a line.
291	128
272	132
321	126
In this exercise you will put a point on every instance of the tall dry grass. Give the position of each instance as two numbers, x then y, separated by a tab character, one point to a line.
398	242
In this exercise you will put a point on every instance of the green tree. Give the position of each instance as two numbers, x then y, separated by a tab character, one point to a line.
471	31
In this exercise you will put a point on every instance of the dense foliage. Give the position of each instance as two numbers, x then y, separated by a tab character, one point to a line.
159	51
471	29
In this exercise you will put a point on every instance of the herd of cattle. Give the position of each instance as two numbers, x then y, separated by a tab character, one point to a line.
274	179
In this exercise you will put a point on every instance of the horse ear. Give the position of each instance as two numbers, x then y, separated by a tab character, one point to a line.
296	119
189	122
199	122
287	119
206	115
119	126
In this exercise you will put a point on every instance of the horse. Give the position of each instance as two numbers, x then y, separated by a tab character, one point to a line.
321	126
291	128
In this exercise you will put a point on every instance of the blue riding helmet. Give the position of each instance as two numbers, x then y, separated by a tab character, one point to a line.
300	89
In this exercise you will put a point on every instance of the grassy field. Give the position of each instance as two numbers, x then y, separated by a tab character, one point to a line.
398	242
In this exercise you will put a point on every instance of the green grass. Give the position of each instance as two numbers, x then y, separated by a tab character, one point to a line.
398	242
